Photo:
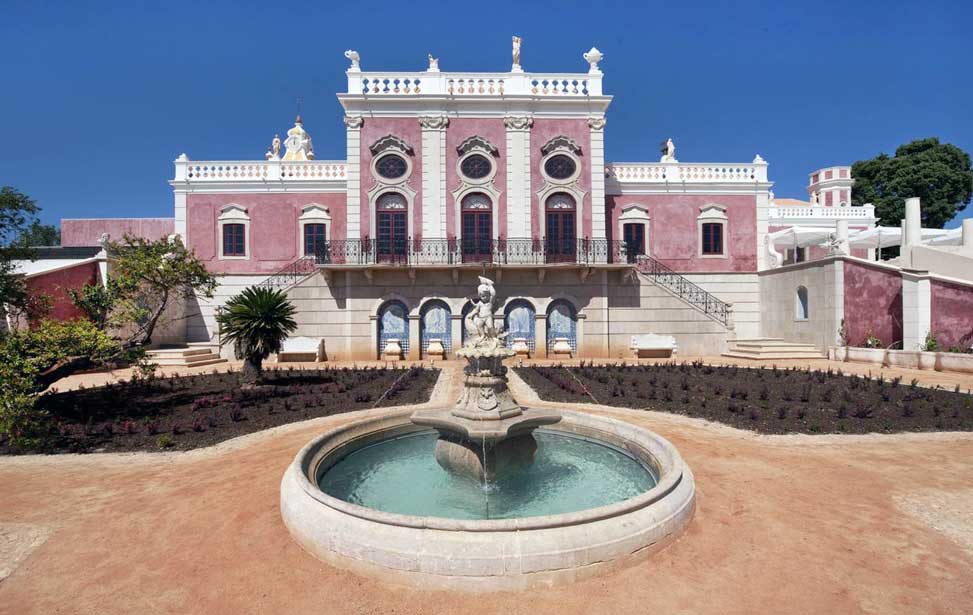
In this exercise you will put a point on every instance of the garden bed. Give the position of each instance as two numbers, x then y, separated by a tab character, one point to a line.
189	412
765	400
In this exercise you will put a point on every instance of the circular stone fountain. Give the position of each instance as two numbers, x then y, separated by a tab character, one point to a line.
486	495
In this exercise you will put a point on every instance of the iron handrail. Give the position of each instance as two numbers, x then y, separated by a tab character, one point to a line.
686	290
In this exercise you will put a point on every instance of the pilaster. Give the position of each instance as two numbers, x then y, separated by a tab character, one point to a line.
353	173
518	175
916	308
433	176
597	156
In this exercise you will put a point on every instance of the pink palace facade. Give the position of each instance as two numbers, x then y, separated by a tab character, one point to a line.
449	176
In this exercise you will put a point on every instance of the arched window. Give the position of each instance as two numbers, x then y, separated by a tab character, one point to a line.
562	322
519	323
393	323
560	224
466	310
434	324
391	226
477	227
800	304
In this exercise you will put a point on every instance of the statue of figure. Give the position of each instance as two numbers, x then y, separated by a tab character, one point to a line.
104	240
480	329
668	149
433	64
516	52
352	55
275	145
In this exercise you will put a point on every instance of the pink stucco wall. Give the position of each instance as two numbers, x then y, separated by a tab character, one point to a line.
673	229
87	231
493	130
275	237
55	284
543	131
873	303
407	129
952	313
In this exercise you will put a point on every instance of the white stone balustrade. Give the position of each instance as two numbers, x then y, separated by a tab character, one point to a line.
864	213
695	173
562	85
259	171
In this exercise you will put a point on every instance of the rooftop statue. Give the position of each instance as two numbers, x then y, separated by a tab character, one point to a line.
592	57
516	55
273	152
433	64
668	149
352	55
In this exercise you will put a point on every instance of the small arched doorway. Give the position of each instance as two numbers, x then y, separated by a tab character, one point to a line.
435	324
393	323
562	322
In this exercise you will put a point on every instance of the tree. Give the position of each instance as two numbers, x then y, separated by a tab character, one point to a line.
146	276
38	234
257	321
938	173
16	211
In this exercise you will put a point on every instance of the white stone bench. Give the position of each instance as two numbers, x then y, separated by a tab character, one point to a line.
652	345
301	349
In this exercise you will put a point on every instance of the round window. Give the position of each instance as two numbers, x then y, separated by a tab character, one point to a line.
476	166
560	167
391	166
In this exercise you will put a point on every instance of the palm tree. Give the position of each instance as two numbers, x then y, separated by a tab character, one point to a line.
257	321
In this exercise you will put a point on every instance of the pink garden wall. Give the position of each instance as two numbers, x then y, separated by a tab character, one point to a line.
56	284
673	230
873	303
952	313
87	231
274	228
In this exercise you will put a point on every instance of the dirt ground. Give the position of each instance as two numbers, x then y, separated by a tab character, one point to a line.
784	524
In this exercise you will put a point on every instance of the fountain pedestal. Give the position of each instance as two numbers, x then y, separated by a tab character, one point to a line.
487	433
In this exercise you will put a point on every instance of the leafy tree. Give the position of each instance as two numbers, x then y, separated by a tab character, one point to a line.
96	301
38	234
938	173
147	276
257	321
16	211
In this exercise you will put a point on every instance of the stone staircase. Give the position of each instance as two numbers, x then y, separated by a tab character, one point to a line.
195	354
771	348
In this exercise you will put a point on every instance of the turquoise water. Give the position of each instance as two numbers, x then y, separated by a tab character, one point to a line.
569	474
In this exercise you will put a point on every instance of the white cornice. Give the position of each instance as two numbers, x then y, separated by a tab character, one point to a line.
223	187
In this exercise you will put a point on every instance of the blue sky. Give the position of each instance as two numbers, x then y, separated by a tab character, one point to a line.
100	97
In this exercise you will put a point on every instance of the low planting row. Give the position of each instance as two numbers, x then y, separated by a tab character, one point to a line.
200	410
766	400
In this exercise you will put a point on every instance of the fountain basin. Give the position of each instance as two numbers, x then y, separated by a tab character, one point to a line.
434	552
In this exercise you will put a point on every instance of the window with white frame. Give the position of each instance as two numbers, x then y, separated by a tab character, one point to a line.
315	229
234	232
711	226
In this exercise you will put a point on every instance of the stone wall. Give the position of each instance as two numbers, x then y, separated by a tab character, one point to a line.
778	300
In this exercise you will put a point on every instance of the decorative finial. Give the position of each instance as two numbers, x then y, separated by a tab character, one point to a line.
516	56
592	57
352	55
298	144
273	152
433	65
758	159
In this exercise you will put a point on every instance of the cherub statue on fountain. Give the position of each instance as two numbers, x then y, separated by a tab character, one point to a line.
480	328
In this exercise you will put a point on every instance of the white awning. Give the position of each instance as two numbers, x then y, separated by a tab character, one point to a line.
877	237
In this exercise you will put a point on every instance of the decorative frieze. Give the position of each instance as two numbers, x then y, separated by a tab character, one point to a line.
518	122
434	122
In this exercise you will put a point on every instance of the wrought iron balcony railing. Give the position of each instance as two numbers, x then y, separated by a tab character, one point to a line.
414	252
678	285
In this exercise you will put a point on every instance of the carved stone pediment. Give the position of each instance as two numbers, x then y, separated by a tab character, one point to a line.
476	142
390	142
561	142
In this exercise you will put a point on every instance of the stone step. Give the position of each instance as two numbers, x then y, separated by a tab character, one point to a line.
786	346
771	348
172	353
193	361
773	355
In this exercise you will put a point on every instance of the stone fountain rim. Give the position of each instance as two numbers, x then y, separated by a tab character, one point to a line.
667	462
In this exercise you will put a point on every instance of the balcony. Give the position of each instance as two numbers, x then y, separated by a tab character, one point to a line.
448	253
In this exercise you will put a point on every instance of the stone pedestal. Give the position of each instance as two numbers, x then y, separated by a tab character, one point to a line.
435	350
561	348
486	434
392	350
520	348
